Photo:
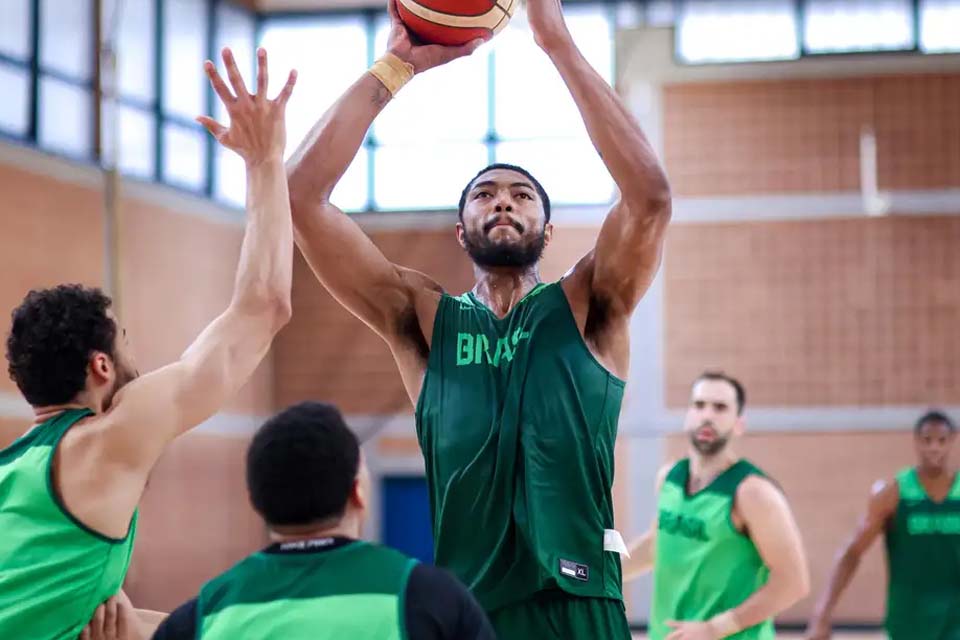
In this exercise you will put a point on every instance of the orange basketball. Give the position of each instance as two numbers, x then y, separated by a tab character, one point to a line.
455	22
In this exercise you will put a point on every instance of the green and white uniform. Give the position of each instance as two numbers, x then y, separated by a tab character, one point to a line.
703	565
517	423
923	555
54	571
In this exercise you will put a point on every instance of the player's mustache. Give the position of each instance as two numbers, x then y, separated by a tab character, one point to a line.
495	221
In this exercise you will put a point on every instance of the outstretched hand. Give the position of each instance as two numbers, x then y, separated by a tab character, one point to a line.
257	131
405	46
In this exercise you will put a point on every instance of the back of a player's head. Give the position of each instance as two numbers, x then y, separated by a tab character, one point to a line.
934	417
302	465
738	389
544	198
53	334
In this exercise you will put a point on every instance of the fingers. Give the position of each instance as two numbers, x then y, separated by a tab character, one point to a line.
392	10
215	128
262	73
443	54
85	634
287	90
233	73
96	623
110	618
219	86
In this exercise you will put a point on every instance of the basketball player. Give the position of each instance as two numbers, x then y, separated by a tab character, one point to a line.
307	478
724	548
69	487
517	383
919	514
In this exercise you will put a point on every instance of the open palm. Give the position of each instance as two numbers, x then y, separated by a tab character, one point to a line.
257	131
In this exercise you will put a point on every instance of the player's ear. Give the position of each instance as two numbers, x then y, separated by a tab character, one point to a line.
547	233
740	426
461	232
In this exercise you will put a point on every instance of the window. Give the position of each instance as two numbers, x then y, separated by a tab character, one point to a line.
15	29
184	50
738	30
131	24
66	38
329	55
940	26
425	176
235	29
14	118
66	118
837	26
185	156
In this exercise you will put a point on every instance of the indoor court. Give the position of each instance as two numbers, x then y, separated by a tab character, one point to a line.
544	282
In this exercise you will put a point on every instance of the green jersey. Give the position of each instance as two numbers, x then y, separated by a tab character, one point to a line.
353	591
923	554
517	423
703	565
54	571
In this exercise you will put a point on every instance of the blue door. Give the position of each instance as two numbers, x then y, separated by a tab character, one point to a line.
406	516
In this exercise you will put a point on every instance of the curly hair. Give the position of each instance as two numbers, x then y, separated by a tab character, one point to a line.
52	336
301	465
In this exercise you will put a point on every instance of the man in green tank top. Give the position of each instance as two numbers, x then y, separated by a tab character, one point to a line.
317	580
724	547
918	512
517	383
69	487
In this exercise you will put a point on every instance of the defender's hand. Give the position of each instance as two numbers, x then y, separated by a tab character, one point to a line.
115	619
691	631
257	131
405	46
547	23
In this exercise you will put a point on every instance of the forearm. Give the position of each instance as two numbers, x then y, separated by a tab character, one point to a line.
614	131
840	578
641	558
779	593
326	152
266	257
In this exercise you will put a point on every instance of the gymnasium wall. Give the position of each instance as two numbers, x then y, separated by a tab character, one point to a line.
178	259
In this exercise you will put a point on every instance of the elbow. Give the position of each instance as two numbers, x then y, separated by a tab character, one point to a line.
652	198
305	190
272	307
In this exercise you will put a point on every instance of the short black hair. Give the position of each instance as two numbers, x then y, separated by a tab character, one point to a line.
53	333
733	382
510	167
934	416
301	465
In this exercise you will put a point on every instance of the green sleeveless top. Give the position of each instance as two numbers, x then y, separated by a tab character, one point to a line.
54	571
703	565
355	591
923	554
517	423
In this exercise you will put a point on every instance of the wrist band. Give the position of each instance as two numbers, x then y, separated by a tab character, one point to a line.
725	624
392	72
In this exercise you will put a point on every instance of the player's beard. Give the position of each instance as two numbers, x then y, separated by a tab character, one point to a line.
710	448
125	375
486	253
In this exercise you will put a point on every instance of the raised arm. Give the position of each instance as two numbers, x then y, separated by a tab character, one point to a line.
771	526
882	506
340	254
628	249
153	409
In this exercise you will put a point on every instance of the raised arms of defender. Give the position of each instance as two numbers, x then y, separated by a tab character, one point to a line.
110	458
608	283
880	509
765	515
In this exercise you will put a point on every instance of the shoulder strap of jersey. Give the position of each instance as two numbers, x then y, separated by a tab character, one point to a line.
909	484
679	473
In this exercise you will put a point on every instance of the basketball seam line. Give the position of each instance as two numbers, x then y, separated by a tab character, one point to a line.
456	15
